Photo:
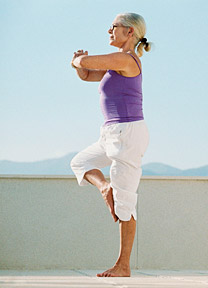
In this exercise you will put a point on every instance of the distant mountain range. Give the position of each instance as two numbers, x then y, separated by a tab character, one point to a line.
61	166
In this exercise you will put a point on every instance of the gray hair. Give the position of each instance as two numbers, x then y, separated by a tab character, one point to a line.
137	22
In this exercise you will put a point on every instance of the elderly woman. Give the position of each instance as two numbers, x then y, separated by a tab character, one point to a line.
124	136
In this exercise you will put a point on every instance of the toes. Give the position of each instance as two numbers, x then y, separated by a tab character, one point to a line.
115	219
102	274
110	274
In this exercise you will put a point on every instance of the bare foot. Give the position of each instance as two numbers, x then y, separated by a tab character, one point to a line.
107	193
116	271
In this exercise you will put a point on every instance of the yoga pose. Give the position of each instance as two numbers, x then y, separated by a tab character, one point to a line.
124	135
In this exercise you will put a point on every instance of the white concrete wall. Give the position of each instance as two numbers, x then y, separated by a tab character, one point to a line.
49	222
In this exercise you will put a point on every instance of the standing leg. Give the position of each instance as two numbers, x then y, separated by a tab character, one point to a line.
125	176
125	198
97	178
122	266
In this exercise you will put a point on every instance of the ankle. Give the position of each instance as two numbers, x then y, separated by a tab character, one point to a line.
104	186
124	263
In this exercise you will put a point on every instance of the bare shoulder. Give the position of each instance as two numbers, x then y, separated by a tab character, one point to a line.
135	57
134	68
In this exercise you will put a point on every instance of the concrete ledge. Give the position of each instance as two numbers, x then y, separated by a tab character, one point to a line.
49	222
19	176
88	279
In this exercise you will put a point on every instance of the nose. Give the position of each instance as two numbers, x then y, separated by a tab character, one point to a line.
110	31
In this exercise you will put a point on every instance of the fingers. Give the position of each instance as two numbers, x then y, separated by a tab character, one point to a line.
80	52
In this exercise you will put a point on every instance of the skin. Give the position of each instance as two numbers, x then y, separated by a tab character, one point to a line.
93	68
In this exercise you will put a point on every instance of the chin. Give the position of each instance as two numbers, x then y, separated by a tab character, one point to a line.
112	43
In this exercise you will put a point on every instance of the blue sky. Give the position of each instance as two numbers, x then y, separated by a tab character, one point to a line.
47	112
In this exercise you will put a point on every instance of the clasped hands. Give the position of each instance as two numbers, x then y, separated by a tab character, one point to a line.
77	54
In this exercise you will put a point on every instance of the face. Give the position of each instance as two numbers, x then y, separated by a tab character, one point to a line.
118	33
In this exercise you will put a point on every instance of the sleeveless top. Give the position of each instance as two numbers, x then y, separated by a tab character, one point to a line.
121	97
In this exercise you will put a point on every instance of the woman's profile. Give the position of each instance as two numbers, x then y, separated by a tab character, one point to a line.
124	135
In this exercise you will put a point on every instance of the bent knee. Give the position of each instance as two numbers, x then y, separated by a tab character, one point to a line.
75	163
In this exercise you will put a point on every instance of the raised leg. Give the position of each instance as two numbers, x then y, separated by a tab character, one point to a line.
97	178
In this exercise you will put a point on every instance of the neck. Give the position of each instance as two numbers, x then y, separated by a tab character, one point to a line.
127	46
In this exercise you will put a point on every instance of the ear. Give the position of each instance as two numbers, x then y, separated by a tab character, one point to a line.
131	31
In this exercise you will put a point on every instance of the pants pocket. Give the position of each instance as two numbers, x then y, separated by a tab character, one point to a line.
114	135
113	145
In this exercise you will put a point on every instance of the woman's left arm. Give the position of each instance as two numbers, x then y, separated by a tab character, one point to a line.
118	61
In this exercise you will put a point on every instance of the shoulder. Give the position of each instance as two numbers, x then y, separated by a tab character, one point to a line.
134	57
134	66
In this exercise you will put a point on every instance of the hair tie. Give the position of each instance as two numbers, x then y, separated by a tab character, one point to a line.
144	40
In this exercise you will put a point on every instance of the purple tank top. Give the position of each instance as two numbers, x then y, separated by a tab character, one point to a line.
121	97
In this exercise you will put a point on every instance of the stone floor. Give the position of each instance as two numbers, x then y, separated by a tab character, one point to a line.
88	279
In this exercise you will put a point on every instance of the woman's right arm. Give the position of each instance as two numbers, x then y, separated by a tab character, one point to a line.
87	74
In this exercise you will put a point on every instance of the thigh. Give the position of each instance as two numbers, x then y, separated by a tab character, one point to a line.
94	155
127	142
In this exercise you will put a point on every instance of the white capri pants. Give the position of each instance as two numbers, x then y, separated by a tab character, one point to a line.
121	146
